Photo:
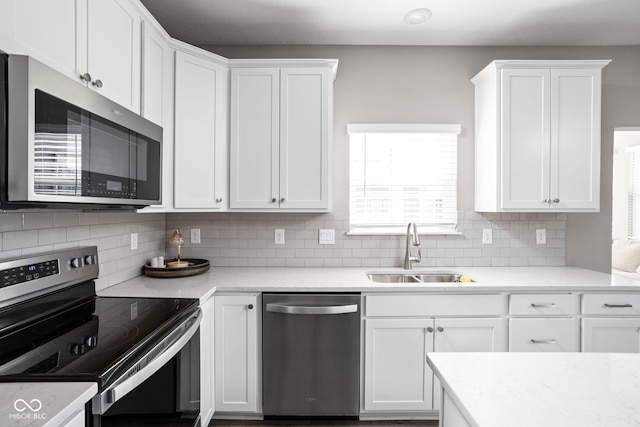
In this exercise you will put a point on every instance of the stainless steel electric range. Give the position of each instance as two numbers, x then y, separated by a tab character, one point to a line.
53	327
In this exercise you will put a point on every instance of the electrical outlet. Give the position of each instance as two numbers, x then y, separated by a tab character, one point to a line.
541	236
195	235
327	236
487	236
279	236
134	241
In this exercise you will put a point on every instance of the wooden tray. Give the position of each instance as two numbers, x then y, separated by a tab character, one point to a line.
196	266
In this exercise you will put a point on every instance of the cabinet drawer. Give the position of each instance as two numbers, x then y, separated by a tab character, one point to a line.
613	304
434	305
543	335
543	305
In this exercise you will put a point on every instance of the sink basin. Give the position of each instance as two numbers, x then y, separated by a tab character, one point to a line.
406	277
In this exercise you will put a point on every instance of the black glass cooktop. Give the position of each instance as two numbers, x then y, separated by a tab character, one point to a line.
92	340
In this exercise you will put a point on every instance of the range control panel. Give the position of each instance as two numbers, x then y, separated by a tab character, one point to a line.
25	273
35	273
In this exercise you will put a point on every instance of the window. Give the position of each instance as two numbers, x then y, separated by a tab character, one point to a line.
633	193
402	173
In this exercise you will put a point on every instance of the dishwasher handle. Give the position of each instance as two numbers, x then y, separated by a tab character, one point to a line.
323	309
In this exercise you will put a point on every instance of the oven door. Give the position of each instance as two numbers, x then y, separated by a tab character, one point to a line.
161	389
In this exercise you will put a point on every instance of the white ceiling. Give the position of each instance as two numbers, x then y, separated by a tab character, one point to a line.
381	22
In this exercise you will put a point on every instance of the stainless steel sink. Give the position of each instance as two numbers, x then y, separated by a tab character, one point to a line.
405	277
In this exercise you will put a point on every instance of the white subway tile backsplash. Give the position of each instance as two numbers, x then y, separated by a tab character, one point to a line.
26	233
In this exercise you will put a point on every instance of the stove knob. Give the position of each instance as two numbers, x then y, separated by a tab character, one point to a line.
91	341
89	259
77	349
77	262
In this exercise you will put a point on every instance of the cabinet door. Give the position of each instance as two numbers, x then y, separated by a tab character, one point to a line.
478	335
305	100
396	375
525	138
254	134
575	138
155	69
200	133
236	353
613	335
113	51
544	335
33	36
207	403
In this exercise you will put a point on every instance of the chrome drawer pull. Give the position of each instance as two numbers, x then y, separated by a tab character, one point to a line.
618	305
552	305
537	341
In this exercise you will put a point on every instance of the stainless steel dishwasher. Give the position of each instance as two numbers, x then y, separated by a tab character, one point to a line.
311	355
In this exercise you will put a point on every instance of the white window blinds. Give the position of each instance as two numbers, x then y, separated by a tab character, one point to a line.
403	173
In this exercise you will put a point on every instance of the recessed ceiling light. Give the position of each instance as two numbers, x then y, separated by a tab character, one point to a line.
417	16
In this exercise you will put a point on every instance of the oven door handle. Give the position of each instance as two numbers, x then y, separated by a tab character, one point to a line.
157	357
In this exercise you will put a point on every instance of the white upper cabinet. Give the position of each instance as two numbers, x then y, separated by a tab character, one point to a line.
27	32
156	67
201	142
281	125
113	44
94	42
537	139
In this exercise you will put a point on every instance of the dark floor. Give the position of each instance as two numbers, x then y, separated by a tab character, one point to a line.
296	423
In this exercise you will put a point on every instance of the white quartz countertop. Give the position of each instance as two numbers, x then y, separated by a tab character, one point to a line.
486	279
42	404
542	389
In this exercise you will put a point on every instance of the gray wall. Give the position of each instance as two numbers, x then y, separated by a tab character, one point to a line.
407	84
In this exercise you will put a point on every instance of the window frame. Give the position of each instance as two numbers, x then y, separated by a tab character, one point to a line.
398	229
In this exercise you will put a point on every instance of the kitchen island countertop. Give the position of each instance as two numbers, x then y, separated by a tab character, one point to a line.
485	279
43	404
540	389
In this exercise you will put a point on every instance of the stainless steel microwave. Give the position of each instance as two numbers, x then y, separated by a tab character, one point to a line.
66	146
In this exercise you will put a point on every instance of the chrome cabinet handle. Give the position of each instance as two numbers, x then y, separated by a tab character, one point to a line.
429	329
551	305
546	201
618	305
85	77
440	329
250	306
274	200
556	200
97	83
283	200
546	341
323	309
219	200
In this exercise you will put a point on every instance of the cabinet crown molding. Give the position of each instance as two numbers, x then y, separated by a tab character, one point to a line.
536	63
286	63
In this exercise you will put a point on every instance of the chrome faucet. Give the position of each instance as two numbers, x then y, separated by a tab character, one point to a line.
408	259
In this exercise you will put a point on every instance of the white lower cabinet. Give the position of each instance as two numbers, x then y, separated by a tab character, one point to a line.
544	323
615	335
398	338
236	350
544	335
611	323
207	379
395	370
77	420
